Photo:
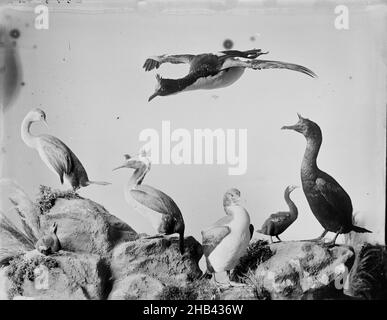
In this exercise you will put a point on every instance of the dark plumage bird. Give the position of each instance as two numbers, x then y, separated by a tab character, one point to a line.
54	153
156	206
280	221
213	70
50	243
328	201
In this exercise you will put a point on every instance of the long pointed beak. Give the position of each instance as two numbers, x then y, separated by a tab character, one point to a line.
294	127
120	167
153	96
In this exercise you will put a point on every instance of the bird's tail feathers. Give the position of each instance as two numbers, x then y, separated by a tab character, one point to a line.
101	183
360	229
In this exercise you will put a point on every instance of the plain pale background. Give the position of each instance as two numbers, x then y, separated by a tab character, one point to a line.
85	72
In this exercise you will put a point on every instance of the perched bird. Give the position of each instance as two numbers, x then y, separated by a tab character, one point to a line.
226	241
212	71
153	204
328	201
280	221
50	243
54	153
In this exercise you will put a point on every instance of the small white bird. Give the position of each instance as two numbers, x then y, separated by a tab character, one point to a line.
213	70
54	153
226	241
156	206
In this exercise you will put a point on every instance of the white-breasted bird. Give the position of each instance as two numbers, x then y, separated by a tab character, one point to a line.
213	70
54	153
156	206
226	241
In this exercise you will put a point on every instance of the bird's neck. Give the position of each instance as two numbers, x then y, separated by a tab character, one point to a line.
177	85
137	177
309	162
28	138
292	207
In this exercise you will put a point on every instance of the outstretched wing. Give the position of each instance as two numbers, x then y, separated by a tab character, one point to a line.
268	64
155	62
335	195
57	154
212	236
156	200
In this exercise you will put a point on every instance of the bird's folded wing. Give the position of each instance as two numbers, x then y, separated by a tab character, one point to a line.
155	62
212	237
269	64
335	195
155	200
279	217
58	154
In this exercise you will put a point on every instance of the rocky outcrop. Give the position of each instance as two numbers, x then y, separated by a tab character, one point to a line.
86	227
158	262
303	270
63	276
104	258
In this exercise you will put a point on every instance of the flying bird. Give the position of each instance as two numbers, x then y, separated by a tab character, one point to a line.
159	208
226	241
329	202
54	153
213	70
280	221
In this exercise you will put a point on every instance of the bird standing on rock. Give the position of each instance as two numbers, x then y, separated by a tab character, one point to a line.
54	153
226	241
328	201
153	204
280	221
50	243
213	70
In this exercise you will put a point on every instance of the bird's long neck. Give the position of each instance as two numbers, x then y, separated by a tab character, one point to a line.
137	177
309	163
292	207
28	138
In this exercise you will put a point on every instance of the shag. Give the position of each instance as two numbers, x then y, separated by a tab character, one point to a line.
50	243
280	221
54	153
226	241
213	70
328	201
153	204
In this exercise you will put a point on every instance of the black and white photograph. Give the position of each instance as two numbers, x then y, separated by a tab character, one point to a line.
212	150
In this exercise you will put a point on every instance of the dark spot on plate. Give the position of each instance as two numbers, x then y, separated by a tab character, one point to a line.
228	44
22	83
14	33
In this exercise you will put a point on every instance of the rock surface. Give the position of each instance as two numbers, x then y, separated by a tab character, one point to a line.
157	261
85	226
104	258
299	270
63	276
